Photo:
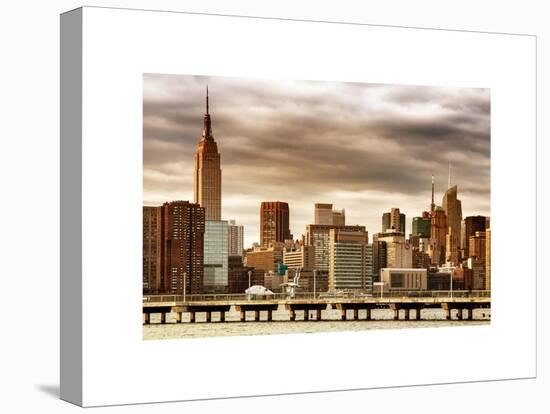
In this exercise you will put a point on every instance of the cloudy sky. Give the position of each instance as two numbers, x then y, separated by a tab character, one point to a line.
363	147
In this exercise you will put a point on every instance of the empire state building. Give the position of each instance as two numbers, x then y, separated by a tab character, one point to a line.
207	178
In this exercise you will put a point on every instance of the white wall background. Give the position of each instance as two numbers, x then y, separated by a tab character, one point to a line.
29	93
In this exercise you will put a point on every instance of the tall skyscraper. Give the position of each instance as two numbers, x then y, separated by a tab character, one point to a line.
235	239
182	247
339	217
379	256
438	230
152	246
302	257
472	224
348	267
478	260
207	178
398	250
421	225
393	220
453	210
317	235
274	222
215	256
325	215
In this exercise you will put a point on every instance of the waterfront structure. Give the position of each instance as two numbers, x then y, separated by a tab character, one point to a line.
308	281
235	239
471	225
215	257
347	259
152	243
438	280
207	177
274	222
182	253
421	225
453	212
317	235
398	250
393	220
300	257
438	230
404	278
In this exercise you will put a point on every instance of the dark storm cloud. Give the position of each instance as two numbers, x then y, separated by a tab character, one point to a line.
308	140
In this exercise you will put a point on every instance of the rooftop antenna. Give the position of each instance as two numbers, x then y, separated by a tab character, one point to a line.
207	99
433	184
449	184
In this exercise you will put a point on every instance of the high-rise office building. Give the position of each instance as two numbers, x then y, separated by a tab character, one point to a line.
477	245
235	238
393	220
438	230
421	225
339	217
215	257
317	235
477	261
471	225
182	247
324	214
369	266
398	250
300	257
265	258
152	246
207	178
237	275
379	257
453	211
348	267
274	222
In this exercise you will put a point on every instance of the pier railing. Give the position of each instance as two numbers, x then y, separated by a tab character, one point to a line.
356	294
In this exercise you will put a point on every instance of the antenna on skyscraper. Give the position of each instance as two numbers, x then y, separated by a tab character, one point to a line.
207	99
449	184
432	206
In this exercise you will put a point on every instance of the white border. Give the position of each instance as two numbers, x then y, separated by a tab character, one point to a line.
120	45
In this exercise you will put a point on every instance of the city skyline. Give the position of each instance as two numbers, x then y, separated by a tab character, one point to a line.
362	147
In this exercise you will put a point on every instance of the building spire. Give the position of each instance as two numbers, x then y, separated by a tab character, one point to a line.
432	206
449	183
207	130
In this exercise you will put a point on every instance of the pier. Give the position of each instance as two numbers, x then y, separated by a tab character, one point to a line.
311	309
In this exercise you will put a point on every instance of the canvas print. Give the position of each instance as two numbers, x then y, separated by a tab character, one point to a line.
277	206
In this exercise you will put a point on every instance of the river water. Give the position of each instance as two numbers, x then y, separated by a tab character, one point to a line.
281	325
